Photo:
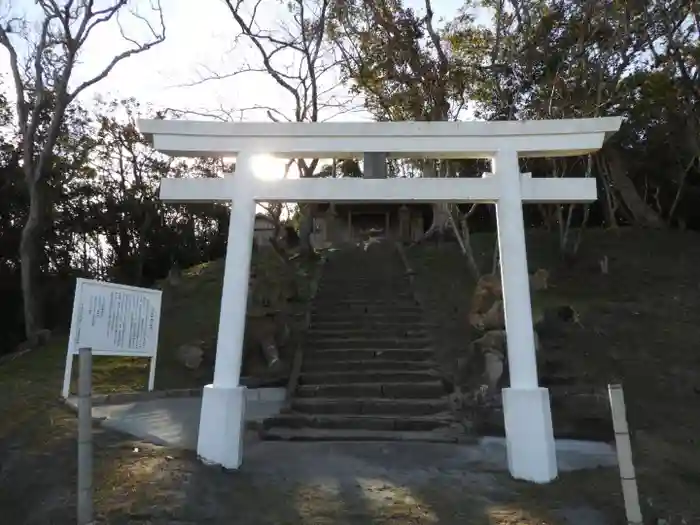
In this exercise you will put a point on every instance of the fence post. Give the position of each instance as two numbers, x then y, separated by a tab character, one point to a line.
85	503
624	456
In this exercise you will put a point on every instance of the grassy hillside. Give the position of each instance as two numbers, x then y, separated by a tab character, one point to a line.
190	315
639	327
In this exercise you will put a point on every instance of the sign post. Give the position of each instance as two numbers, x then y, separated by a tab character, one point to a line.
113	320
623	447
85	503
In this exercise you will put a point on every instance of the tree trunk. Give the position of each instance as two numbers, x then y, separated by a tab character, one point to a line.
466	245
31	258
640	210
142	252
306	227
610	205
564	227
441	220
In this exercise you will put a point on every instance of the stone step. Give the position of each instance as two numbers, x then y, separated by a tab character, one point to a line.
364	267
398	375
351	284
368	300
369	406
348	279
354	317
378	290
397	355
398	331
321	434
376	322
373	302
377	342
370	366
356	273
334	313
371	306
402	390
353	293
372	323
386	423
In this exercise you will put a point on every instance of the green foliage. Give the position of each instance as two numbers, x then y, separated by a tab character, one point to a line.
342	168
106	221
538	59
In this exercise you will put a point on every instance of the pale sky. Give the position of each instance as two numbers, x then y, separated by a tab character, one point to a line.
199	33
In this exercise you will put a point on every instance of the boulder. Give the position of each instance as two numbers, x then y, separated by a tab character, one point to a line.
486	307
39	339
174	278
485	361
190	355
267	334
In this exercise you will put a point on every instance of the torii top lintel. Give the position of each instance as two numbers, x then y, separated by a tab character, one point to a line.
409	139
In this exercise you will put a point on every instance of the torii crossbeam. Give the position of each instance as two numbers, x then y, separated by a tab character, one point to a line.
527	413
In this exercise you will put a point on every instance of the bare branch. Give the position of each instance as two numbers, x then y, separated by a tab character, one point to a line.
273	114
21	103
158	37
39	89
221	114
255	39
442	57
213	75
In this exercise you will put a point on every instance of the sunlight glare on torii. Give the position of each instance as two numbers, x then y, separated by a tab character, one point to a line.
268	167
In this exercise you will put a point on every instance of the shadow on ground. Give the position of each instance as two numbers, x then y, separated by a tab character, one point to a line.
279	483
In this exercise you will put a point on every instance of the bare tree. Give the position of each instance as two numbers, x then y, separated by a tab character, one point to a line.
43	91
295	54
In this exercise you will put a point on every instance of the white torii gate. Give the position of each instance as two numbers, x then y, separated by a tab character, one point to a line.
527	412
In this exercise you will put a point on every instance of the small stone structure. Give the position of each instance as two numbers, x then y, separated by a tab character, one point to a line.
351	223
264	229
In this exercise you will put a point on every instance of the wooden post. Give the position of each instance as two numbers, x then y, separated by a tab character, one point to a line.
624	455
85	504
375	165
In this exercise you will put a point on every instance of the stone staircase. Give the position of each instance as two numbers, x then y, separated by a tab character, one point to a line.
368	371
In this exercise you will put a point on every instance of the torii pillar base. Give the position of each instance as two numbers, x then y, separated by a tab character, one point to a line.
222	426
529	434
